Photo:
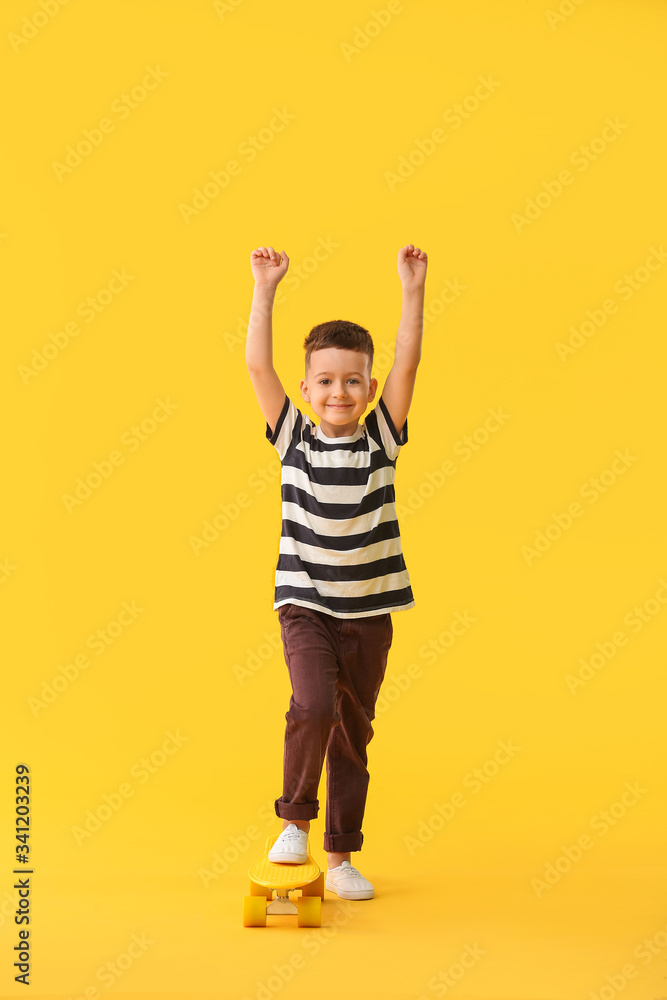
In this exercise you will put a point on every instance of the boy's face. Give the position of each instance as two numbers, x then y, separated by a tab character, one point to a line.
339	388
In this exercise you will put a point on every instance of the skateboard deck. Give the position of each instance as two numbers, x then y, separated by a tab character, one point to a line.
267	877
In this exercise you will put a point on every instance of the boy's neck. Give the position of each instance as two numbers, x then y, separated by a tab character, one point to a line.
336	430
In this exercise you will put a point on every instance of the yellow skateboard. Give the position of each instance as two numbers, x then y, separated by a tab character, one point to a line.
267	876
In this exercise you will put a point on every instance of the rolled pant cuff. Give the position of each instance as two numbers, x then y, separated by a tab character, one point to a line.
341	843
297	810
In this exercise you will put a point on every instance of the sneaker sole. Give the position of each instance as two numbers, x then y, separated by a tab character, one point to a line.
296	859
359	894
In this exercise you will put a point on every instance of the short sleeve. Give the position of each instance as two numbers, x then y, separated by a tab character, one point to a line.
391	440
281	437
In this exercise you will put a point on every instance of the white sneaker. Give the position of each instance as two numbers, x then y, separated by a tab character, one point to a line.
291	846
348	883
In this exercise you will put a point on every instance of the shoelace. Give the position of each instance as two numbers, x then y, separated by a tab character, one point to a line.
295	834
350	871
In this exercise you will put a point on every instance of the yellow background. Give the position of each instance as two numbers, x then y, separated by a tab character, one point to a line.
176	333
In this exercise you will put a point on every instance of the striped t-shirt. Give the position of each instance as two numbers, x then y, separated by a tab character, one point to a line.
340	546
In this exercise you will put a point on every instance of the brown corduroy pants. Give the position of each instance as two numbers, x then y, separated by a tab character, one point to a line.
336	667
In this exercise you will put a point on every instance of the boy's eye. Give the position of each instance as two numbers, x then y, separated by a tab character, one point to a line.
323	380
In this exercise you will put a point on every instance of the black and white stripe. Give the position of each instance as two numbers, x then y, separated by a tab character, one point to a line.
340	547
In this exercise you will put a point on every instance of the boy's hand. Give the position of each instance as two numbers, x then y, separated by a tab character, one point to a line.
412	263
268	267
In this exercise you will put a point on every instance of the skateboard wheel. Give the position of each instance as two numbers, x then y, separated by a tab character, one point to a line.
315	888
254	911
309	911
260	890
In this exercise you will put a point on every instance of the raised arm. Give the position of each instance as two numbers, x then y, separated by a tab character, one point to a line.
400	382
268	267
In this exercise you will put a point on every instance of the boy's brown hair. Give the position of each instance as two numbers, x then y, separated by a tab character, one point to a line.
339	333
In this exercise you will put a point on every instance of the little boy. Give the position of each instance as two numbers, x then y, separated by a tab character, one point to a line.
340	571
